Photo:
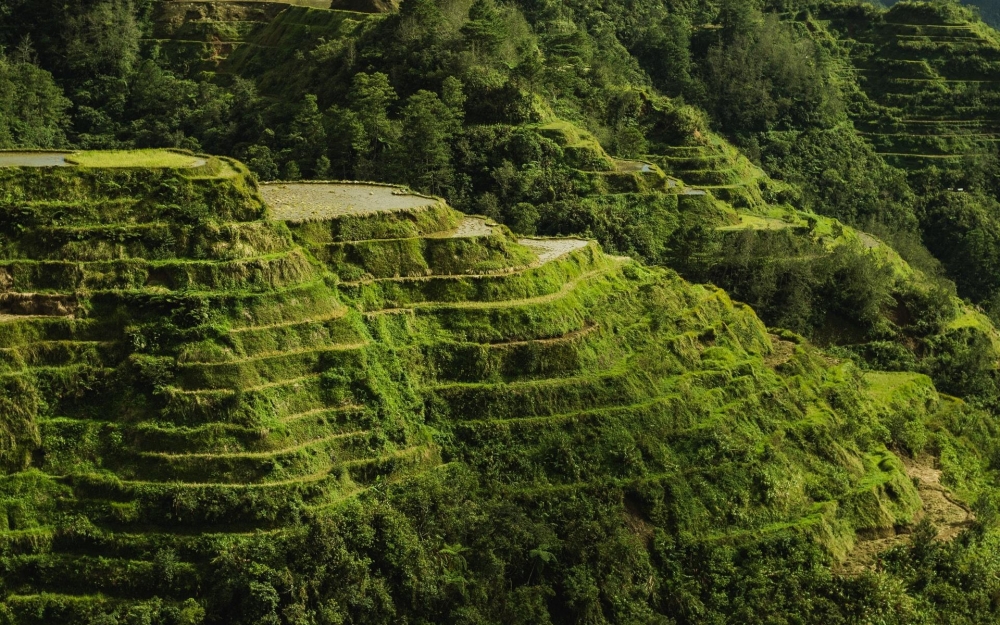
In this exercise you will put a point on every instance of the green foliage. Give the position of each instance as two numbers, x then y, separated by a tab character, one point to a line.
371	130
961	230
424	154
763	75
796	284
103	38
248	403
383	418
33	109
842	177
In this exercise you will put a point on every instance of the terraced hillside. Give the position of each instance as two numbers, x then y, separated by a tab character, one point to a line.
169	360
712	165
931	74
249	38
186	371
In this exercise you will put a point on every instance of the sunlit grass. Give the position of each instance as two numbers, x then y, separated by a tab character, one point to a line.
135	158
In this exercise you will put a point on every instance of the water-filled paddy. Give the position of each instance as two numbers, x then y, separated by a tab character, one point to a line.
102	158
551	249
302	201
33	159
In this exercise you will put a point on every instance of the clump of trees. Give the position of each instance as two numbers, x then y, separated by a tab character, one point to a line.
34	113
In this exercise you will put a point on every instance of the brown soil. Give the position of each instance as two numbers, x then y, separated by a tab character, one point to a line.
868	240
782	351
34	304
949	515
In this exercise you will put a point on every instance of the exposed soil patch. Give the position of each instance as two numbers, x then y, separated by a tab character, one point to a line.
949	515
868	240
781	351
34	304
468	228
305	201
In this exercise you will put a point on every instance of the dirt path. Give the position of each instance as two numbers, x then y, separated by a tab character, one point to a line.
949	516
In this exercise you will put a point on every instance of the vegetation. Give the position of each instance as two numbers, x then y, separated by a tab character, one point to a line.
135	158
759	396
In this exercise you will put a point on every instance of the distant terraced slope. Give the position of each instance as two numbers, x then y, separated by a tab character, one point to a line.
931	77
185	370
250	37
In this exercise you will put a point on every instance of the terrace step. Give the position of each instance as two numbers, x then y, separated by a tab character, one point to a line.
133	579
53	353
157	240
258	273
269	368
45	608
566	289
557	262
422	256
459	401
213	506
538	358
222	438
276	466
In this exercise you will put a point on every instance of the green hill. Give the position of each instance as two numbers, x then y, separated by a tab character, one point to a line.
690	319
189	376
930	77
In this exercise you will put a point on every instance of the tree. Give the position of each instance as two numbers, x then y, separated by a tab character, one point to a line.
485	29
765	76
104	39
453	96
372	132
33	109
307	136
260	160
424	154
158	106
665	52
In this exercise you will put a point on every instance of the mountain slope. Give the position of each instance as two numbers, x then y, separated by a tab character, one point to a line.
211	379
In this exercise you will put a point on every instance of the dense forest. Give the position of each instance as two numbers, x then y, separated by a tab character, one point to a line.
809	191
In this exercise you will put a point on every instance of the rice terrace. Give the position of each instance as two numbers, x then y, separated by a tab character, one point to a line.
470	312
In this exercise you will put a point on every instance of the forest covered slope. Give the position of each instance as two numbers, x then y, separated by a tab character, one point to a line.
690	316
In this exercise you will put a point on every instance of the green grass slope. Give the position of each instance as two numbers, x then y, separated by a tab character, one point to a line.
200	379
